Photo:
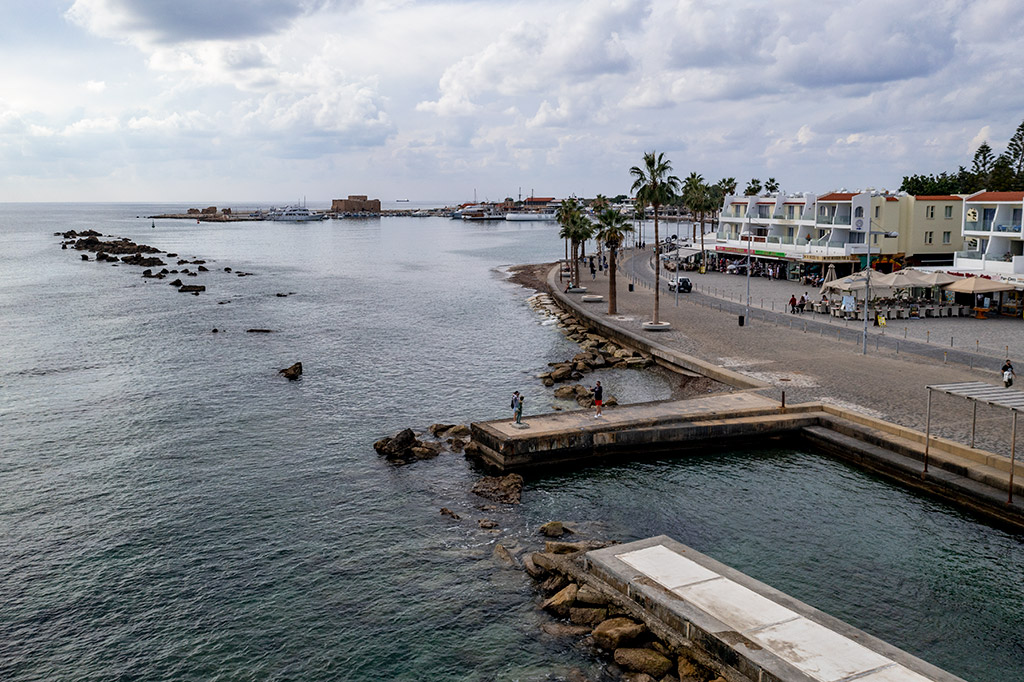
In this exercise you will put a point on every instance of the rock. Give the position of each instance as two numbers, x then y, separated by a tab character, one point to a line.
472	449
456	445
565	392
177	283
585	615
398	446
502	554
564	630
611	402
85	256
259	331
535	571
215	330
643	661
420	452
292	373
438	429
548	382
560	603
203	268
506	489
191	288
546	561
565	547
445	511
613	633
561	374
225	269
552	529
487	523
588	596
459	431
554	583
688	671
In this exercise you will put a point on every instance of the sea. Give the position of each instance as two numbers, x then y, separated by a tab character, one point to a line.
171	508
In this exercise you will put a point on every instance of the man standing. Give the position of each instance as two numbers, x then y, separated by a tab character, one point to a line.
598	398
1008	373
515	403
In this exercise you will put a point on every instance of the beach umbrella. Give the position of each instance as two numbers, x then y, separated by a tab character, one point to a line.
830	276
901	279
938	278
858	282
978	285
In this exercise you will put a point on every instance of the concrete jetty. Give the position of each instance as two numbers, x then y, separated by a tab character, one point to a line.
752	630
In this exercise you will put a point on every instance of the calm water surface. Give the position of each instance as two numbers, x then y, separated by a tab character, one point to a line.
172	509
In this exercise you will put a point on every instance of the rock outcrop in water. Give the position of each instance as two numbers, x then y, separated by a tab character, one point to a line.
405	447
505	489
291	373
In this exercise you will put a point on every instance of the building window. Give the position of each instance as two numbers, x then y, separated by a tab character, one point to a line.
858	212
928	237
877	210
789	212
949	212
946	236
929	212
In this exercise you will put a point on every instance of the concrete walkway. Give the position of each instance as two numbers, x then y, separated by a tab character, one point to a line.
812	363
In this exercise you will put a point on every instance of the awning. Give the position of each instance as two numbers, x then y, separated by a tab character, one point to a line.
984	393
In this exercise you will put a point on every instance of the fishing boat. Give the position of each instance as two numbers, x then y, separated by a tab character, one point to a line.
483	212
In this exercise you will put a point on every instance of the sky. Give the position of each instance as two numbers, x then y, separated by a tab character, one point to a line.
267	100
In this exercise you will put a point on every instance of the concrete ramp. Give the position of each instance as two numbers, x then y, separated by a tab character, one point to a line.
759	632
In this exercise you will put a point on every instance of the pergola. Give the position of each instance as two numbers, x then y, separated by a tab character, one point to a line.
979	392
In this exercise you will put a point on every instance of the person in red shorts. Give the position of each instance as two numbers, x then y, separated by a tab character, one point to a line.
598	397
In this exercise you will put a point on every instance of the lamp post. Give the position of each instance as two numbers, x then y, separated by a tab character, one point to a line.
746	312
867	281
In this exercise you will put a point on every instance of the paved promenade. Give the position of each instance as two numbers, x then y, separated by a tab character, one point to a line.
822	363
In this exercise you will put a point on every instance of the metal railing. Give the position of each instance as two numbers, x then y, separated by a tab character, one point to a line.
974	255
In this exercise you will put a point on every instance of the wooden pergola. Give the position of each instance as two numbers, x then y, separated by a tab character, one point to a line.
979	392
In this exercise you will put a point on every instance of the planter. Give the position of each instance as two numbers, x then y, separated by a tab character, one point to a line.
592	298
656	326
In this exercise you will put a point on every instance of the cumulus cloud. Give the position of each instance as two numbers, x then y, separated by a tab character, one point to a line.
190	20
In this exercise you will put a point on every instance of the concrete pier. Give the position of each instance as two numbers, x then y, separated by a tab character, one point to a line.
755	631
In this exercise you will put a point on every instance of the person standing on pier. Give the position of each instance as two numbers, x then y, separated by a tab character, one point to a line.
598	399
515	403
519	410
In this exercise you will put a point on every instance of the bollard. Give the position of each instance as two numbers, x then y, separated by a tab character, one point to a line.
805	327
783	400
904	332
972	362
928	336
944	354
897	346
976	342
951	342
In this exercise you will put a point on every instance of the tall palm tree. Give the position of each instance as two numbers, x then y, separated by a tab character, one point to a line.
728	186
612	227
771	185
582	230
566	217
701	200
655	185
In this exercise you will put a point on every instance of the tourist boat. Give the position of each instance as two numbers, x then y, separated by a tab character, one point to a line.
483	212
294	214
523	216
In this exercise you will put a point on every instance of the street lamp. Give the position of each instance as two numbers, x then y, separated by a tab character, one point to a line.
867	281
746	312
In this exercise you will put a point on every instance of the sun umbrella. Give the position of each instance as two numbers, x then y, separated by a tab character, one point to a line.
858	281
937	278
978	285
901	279
830	276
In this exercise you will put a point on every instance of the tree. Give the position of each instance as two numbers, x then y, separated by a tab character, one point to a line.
753	188
982	164
771	185
567	216
1002	178
701	200
655	185
612	228
1015	150
728	186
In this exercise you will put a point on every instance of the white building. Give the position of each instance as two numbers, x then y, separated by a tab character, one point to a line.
994	245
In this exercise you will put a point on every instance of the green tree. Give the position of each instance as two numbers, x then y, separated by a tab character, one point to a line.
1015	149
753	188
567	216
701	200
1002	177
982	164
728	186
655	185
612	228
771	185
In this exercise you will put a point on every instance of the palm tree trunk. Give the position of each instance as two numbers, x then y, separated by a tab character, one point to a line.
611	281
703	267
657	268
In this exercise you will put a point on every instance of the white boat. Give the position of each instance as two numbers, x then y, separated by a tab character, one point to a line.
523	216
483	212
294	214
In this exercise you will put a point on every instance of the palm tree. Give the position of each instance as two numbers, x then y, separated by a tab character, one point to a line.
753	188
701	199
639	215
728	186
566	217
612	229
654	184
582	230
771	185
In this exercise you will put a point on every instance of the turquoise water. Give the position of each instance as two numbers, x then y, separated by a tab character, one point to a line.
172	509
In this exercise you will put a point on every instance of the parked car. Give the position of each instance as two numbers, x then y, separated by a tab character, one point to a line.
684	284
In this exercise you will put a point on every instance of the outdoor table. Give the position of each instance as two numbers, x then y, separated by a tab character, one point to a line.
979	313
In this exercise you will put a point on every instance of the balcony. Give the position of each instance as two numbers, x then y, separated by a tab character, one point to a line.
823	219
972	255
841	220
977	226
1007	228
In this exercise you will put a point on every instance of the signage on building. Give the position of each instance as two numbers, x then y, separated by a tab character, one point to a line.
754	252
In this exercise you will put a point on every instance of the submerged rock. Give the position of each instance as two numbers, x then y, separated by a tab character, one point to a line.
506	489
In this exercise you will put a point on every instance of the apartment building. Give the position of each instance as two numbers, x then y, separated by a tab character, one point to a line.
994	245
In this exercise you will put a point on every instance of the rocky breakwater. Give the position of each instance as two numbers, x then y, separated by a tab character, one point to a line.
596	617
407	446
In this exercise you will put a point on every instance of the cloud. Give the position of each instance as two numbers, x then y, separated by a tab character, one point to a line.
95	86
193	20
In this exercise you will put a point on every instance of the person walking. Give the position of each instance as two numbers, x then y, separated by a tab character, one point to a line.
598	399
515	403
792	304
1008	373
519	410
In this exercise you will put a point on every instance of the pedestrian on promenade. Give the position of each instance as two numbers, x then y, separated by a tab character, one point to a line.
804	300
515	402
1008	373
792	304
598	399
519	410
593	272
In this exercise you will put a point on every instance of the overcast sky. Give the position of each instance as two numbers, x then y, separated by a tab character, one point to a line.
267	100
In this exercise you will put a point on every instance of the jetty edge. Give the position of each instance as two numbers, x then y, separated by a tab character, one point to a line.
704	614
